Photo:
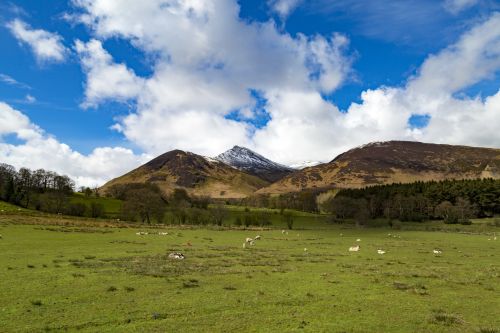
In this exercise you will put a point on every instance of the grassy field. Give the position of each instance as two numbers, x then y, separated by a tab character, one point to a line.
75	275
111	206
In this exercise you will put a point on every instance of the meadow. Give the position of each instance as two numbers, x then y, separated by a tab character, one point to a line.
75	274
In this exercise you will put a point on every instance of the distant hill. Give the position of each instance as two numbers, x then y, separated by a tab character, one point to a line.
393	162
249	161
197	174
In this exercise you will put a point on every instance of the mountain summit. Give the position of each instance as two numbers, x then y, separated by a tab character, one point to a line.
255	164
197	174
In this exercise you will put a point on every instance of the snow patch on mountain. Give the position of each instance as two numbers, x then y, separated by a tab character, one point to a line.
305	164
246	159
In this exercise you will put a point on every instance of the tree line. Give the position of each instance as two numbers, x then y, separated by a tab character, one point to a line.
454	201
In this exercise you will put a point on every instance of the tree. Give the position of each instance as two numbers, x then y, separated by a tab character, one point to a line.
76	209
53	202
362	214
96	209
87	191
219	213
288	218
144	203
447	211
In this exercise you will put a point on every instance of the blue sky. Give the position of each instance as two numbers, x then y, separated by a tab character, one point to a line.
274	75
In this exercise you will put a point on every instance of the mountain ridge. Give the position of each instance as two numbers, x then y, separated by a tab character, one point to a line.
388	162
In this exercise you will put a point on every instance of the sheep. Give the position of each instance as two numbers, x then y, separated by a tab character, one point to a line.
305	249
354	248
282	232
358	240
248	240
176	255
257	237
141	233
435	251
380	251
163	233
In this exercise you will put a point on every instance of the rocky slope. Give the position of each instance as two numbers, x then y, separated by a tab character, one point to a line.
197	174
393	161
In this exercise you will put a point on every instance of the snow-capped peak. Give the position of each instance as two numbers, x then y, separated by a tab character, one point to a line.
246	159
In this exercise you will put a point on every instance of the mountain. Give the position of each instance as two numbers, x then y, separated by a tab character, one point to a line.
197	174
305	164
392	162
249	161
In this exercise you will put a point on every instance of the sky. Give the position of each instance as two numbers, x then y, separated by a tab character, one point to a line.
95	88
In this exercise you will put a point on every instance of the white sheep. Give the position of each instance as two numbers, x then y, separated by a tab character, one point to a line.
163	233
257	237
141	233
248	240
282	232
435	251
176	255
354	248
380	251
358	240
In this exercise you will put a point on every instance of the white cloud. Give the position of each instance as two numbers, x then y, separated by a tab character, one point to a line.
40	150
284	7
456	6
207	60
30	99
207	63
13	82
46	46
106	80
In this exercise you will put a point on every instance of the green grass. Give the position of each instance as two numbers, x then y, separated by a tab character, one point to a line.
111	206
8	208
90	279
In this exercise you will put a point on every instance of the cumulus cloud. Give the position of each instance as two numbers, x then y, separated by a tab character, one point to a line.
284	7
456	6
207	63
46	46
40	150
105	79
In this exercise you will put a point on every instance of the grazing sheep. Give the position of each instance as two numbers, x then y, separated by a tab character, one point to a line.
435	251
358	240
248	240
176	255
257	237
380	251
163	233
354	248
141	233
282	232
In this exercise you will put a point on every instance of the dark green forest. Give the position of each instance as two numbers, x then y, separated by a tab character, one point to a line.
454	201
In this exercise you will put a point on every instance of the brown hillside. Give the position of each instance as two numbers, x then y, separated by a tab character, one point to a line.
393	162
197	174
